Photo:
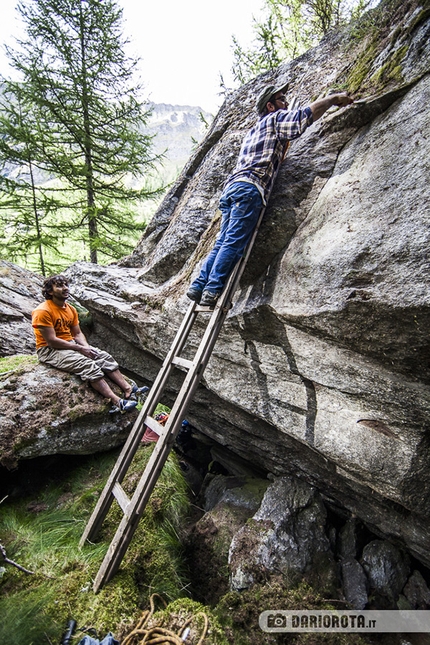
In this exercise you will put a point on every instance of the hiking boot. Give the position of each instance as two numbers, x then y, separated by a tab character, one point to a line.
124	405
209	299
194	294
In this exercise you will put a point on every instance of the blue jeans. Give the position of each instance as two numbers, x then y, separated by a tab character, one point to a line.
240	205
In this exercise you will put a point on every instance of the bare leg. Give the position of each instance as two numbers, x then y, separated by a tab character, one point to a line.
118	378
103	388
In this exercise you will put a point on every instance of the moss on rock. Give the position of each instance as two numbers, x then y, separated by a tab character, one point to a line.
16	363
376	36
238	613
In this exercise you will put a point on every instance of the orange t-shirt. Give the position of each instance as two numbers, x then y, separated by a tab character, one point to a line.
48	314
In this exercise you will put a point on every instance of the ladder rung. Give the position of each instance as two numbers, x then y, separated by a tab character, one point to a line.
154	425
121	497
203	309
182	362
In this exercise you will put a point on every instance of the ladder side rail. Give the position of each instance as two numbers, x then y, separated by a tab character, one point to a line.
133	441
130	520
118	472
136	507
123	462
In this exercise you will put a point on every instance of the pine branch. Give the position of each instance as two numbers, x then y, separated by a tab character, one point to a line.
8	561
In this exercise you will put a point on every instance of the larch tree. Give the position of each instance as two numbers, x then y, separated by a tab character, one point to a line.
28	205
288	29
88	133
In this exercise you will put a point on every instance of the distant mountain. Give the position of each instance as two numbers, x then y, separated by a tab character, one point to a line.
177	129
174	126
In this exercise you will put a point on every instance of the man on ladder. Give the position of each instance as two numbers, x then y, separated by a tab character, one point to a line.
248	187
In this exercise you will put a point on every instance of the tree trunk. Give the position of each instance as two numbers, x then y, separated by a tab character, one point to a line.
91	210
36	219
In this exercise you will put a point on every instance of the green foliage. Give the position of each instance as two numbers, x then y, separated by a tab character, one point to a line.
43	535
288	29
75	117
26	208
15	362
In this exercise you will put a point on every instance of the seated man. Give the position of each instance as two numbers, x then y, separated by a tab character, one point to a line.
61	343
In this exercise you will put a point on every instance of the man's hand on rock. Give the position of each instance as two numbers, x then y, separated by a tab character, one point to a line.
322	105
342	100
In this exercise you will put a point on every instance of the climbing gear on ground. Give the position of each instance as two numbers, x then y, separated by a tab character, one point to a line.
142	634
108	640
209	299
194	294
67	636
185	434
150	436
161	417
124	405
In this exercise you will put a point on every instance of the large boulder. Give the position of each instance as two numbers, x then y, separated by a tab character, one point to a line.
322	366
285	537
46	411
20	293
229	502
387	570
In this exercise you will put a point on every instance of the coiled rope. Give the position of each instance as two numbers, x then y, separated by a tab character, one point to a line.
141	635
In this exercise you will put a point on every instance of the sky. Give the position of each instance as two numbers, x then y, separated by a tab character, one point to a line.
184	45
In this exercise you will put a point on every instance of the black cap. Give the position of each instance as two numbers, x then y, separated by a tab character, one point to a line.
266	94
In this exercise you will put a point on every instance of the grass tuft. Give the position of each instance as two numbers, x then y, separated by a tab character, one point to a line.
43	536
16	362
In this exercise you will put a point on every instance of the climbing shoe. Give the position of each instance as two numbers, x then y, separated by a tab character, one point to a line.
124	405
137	392
194	294
209	299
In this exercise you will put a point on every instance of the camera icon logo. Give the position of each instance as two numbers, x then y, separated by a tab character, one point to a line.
278	621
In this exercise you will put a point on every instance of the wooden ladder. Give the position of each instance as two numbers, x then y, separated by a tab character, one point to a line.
134	507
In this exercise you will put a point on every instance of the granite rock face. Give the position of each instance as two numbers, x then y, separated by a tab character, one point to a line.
20	293
322	367
286	536
386	568
47	412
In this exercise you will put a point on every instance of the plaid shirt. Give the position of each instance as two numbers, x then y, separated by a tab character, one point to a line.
264	145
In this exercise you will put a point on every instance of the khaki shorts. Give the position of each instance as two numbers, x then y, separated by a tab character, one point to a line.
75	363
